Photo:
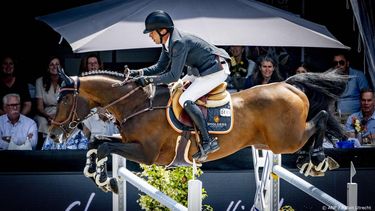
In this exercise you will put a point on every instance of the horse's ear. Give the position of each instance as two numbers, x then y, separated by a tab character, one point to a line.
68	81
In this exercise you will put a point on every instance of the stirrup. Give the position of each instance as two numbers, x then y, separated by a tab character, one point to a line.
200	155
206	149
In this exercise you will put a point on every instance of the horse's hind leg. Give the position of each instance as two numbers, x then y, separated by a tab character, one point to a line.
316	156
304	153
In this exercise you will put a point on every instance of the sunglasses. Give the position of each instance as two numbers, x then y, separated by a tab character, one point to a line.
341	63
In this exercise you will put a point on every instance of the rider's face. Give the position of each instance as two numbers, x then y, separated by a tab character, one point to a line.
156	37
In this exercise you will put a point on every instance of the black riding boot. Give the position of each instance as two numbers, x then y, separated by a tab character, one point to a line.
209	144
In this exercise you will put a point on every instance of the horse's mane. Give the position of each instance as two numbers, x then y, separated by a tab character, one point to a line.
103	72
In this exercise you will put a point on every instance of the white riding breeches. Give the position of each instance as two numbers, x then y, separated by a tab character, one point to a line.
201	85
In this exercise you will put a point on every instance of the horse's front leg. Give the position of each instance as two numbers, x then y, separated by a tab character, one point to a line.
131	151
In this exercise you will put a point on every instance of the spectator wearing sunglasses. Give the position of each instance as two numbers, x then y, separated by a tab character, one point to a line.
349	101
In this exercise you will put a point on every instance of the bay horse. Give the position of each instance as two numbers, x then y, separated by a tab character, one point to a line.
284	117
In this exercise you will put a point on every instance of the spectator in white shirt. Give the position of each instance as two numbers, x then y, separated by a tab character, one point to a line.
100	123
15	127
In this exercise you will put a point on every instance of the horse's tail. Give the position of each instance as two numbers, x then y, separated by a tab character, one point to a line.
322	90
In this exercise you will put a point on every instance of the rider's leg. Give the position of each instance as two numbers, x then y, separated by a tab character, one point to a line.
209	144
199	87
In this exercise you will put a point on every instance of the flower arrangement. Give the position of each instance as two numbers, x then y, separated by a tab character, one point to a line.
237	69
358	126
172	182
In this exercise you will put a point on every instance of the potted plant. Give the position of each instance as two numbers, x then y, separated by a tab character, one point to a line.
172	182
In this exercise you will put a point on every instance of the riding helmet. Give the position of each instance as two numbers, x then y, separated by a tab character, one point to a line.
158	20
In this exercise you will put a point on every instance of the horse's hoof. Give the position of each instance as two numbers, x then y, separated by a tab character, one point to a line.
322	167
332	164
315	173
302	160
105	188
113	185
306	168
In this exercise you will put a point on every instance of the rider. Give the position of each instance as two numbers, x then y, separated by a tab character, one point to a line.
206	69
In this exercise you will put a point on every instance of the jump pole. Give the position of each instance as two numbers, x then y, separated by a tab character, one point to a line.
308	188
269	187
119	201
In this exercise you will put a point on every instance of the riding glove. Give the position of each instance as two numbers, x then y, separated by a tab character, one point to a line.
135	73
144	81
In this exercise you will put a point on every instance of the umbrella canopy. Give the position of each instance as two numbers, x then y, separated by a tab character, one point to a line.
118	24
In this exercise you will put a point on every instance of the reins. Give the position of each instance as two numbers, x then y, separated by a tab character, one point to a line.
73	110
150	108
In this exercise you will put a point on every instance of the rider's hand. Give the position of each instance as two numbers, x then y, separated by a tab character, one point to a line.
144	81
135	73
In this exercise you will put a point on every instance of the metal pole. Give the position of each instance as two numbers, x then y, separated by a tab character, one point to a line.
118	200
308	188
143	186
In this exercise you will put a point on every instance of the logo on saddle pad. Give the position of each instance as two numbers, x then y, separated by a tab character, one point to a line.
216	107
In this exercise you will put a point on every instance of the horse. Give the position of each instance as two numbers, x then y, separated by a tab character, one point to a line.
284	117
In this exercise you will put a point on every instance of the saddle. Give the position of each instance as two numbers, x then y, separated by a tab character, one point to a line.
217	109
217	97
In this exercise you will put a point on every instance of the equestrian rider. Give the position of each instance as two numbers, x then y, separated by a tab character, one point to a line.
206	69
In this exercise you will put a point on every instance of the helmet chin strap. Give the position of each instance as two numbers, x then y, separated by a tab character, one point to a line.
161	36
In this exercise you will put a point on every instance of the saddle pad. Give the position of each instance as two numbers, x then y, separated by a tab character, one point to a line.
219	120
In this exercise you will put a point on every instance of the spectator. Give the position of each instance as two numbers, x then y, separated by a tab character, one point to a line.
9	83
362	123
240	68
349	101
303	68
47	90
90	63
15	128
101	123
76	141
267	72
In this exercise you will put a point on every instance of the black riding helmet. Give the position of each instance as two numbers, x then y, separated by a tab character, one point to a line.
158	20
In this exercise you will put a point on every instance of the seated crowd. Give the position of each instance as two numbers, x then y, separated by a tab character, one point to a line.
20	130
21	127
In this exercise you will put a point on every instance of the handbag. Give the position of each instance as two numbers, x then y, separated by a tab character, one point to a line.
25	146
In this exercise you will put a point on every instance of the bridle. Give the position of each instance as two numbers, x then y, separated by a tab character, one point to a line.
73	115
73	111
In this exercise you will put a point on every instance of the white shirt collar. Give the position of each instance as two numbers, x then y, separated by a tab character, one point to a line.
167	42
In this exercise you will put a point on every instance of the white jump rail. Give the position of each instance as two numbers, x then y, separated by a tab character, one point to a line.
119	200
268	188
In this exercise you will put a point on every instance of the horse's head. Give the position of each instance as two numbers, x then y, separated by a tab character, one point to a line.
71	109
